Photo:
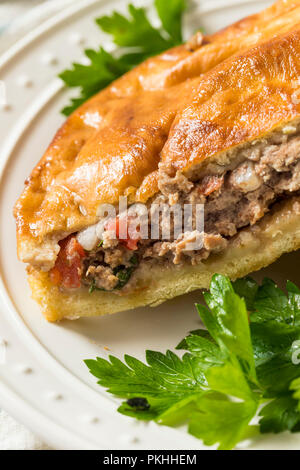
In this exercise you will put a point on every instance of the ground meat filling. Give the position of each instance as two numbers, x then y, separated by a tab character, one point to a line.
238	198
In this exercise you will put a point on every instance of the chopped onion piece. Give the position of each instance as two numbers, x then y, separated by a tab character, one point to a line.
88	238
245	179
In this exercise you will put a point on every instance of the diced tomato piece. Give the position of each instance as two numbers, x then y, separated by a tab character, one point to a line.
130	244
210	184
66	271
116	224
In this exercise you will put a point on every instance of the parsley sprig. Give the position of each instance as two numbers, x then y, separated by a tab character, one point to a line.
136	40
232	371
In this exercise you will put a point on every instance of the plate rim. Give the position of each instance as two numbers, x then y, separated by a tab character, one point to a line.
15	404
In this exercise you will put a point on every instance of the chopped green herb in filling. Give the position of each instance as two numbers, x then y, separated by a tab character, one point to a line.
122	273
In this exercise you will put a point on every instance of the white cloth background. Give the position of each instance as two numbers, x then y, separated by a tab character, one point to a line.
14	436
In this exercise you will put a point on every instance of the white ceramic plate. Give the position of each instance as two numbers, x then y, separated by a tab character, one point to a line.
43	381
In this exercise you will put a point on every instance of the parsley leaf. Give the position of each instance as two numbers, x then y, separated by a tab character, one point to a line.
273	349
272	304
200	344
280	415
136	40
164	383
232	372
101	71
219	420
231	322
247	289
135	31
170	14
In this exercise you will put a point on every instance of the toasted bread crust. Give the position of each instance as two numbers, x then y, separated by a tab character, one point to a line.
188	111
